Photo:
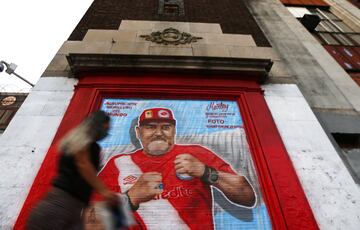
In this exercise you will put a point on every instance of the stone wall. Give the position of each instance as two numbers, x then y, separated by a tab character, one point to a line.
322	81
26	141
126	40
232	15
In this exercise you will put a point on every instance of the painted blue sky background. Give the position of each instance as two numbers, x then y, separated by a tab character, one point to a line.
193	116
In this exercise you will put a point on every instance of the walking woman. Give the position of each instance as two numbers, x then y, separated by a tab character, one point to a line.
79	163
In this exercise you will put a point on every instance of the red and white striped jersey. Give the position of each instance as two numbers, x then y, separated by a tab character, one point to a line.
183	204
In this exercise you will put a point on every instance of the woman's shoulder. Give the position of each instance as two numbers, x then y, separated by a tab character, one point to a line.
94	146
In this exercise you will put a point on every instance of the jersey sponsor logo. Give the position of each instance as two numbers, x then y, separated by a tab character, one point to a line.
174	193
129	179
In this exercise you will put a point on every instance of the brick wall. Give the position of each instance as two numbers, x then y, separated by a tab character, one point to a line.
232	15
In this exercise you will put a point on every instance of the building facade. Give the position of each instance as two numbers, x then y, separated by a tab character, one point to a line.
9	104
244	79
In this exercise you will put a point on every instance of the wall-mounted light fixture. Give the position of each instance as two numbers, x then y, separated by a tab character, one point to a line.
10	69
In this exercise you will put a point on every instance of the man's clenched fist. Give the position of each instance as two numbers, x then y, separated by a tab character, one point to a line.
145	188
188	164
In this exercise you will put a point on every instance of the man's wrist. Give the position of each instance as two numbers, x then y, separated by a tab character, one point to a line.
210	175
133	206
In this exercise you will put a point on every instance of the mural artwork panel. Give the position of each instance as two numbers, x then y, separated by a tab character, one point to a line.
185	163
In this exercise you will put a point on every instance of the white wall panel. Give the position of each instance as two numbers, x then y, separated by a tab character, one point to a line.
26	141
333	195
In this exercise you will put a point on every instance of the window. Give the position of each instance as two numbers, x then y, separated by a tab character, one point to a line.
333	31
171	7
328	39
342	43
350	146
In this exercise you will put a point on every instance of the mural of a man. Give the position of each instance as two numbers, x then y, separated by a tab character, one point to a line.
169	185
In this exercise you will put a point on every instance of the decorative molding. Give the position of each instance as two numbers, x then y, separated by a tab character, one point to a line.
257	69
170	36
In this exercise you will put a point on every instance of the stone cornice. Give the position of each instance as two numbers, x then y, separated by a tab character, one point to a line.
256	69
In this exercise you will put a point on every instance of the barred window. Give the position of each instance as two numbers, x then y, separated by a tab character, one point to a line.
171	7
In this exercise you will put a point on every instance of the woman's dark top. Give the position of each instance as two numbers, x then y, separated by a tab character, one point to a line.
69	178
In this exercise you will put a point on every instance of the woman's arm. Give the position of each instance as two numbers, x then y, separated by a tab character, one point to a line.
89	173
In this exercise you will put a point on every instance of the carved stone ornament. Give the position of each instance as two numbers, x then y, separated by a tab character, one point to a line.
170	36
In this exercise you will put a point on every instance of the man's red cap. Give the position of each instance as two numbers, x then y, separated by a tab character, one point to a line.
156	114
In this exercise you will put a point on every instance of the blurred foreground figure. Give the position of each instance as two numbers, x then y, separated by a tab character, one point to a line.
62	207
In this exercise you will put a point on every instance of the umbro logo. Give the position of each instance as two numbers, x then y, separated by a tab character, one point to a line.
129	180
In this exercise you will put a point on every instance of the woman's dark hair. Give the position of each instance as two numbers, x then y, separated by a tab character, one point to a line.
98	118
96	122
89	130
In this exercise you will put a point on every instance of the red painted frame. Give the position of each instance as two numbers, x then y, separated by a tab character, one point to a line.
286	202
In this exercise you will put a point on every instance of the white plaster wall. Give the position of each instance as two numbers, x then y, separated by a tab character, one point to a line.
333	195
26	141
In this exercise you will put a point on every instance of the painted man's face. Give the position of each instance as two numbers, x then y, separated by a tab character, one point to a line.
157	138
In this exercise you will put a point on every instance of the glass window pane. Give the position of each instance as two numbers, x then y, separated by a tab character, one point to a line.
329	15
343	39
356	38
328	39
328	26
343	26
320	28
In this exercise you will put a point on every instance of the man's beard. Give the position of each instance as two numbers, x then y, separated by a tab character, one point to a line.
158	147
